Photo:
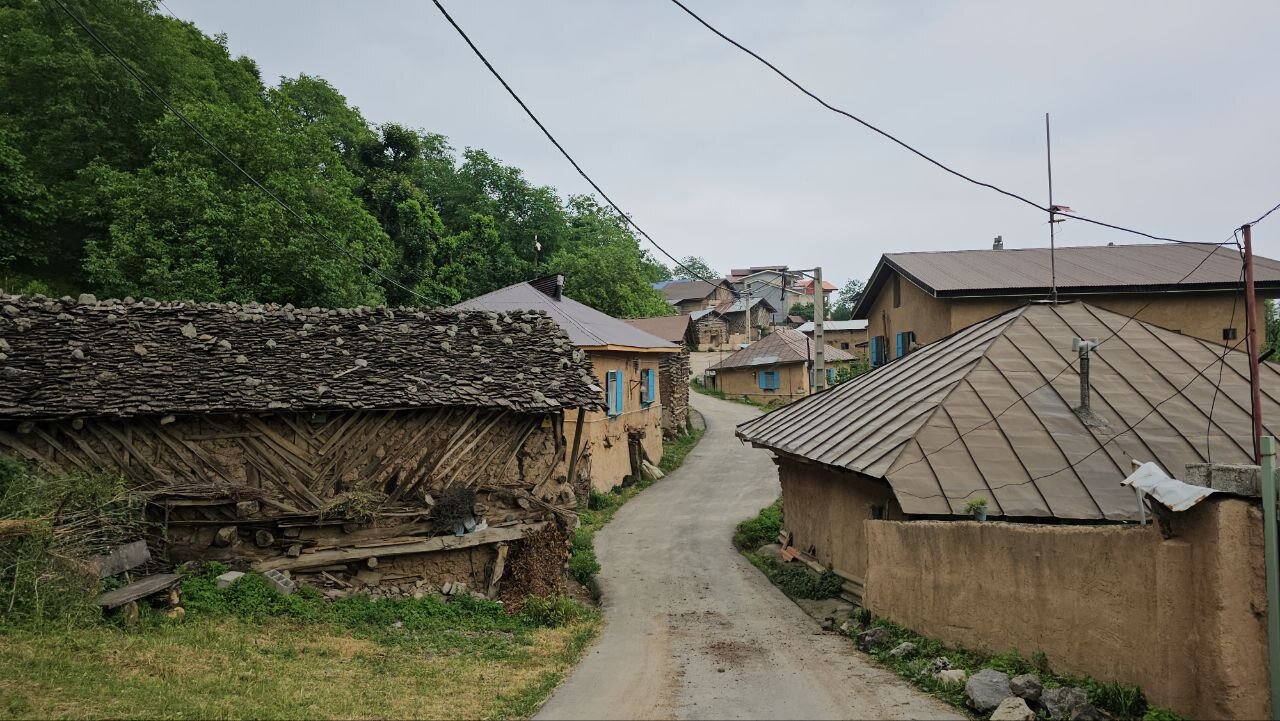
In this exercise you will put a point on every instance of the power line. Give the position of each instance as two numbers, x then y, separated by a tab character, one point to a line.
205	138
902	143
527	111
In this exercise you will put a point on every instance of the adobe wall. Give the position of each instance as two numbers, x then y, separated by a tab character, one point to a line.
673	391
824	509
928	317
1203	315
793	382
1182	618
607	459
709	333
846	340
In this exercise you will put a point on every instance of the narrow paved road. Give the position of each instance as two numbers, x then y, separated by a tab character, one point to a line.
694	631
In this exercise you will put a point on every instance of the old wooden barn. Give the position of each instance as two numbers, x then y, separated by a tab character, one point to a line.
329	442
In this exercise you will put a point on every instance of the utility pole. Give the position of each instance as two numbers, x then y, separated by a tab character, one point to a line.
1251	343
819	311
746	313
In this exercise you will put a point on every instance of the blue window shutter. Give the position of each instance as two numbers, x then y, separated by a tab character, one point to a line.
762	379
875	351
618	387
773	375
898	343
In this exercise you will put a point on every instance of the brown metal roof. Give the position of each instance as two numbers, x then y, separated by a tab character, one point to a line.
586	326
1080	270
61	358
667	327
782	345
682	290
946	422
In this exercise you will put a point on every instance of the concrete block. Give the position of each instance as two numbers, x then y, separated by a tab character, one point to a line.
280	582
229	578
1240	479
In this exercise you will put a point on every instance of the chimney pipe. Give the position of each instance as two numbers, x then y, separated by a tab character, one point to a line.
1084	347
998	243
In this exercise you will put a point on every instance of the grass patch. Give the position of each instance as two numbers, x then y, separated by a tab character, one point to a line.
249	651
764	528
674	451
797	580
767	408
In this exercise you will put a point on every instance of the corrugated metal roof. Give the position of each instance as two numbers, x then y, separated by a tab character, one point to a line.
681	290
946	422
1138	268
740	305
667	327
835	325
782	345
586	326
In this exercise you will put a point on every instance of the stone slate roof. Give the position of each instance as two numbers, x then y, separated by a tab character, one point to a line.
61	358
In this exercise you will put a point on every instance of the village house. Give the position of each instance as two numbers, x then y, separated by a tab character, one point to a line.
805	287
708	331
312	441
673	369
626	361
779	366
775	283
916	298
847	335
688	296
878	473
746	326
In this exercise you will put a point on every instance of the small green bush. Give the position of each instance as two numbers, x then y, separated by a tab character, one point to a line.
764	528
553	611
583	564
1121	699
1155	713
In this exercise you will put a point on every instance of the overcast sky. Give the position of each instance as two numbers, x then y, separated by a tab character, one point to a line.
1164	113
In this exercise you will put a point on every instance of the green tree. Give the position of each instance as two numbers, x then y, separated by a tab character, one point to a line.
804	310
846	298
692	267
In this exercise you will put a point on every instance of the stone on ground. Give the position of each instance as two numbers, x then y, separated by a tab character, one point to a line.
873	638
906	648
1013	709
770	550
986	689
1027	686
1061	702
951	676
941	663
229	578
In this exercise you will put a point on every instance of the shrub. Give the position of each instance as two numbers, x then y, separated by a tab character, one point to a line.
1121	699
583	565
49	526
553	611
764	528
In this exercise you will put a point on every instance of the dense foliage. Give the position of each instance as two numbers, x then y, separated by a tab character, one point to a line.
104	190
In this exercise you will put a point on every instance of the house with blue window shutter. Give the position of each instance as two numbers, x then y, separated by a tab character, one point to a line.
779	366
625	361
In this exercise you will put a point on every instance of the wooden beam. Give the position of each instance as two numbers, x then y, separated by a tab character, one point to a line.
139	589
430	545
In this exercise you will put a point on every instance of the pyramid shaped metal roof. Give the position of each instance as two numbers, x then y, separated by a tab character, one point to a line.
991	411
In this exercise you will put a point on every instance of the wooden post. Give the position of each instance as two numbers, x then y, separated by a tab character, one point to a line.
577	447
1267	476
1251	342
819	344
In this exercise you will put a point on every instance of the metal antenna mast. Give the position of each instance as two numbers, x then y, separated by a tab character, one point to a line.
1048	157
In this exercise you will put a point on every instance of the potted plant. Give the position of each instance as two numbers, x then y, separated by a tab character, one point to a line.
977	507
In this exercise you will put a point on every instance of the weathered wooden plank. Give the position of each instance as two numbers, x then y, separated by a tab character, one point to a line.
430	545
139	589
499	566
120	559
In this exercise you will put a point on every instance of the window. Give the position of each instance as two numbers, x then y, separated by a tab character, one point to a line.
831	376
897	291
647	391
768	380
902	343
613	393
1228	333
877	512
844	346
879	350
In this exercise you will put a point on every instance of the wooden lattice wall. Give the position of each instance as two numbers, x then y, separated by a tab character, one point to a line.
295	462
